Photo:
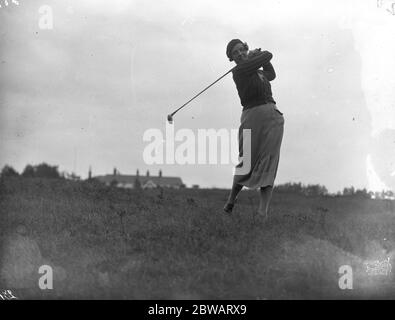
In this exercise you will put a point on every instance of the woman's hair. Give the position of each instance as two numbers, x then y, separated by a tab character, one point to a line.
231	45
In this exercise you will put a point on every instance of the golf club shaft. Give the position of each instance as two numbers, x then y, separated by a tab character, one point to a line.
201	92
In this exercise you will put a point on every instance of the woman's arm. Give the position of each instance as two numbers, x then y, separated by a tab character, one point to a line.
251	65
268	71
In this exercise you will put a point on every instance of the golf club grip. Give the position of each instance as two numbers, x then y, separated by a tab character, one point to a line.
201	92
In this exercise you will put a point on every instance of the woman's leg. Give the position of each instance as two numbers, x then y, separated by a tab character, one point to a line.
236	188
266	196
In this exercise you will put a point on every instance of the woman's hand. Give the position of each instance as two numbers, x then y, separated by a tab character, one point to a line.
253	53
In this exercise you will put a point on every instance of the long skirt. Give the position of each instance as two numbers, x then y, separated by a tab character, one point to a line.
266	124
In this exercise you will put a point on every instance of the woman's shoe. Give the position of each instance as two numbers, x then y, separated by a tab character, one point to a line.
229	207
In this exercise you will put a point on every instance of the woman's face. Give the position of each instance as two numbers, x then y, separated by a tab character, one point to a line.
239	53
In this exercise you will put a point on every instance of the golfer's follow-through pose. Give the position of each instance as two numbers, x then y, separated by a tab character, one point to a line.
251	75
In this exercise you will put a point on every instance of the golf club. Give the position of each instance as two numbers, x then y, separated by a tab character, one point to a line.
170	116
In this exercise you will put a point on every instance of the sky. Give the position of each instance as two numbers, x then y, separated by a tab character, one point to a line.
83	81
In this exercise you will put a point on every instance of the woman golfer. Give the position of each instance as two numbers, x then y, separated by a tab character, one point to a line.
260	114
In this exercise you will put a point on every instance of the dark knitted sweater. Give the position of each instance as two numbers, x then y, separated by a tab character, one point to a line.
253	83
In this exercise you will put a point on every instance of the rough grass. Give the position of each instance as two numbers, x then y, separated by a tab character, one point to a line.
107	243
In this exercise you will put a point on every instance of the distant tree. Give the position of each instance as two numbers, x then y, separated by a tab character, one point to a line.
315	190
349	191
29	172
299	188
310	190
362	193
8	171
323	191
42	170
288	187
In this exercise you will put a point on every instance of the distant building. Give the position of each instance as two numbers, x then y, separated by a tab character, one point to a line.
72	176
137	181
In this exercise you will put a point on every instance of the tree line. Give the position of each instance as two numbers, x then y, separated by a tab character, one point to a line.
45	170
42	170
318	190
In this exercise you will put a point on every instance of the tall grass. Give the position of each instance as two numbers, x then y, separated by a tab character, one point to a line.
177	244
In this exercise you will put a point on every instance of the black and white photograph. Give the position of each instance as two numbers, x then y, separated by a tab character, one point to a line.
168	150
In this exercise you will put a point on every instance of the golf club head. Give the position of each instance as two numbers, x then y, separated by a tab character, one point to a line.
170	118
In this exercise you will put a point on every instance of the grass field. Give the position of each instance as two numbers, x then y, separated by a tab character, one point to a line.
107	243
